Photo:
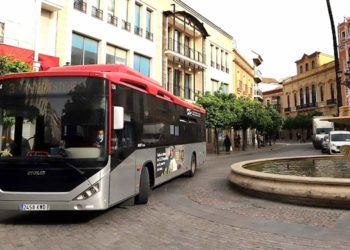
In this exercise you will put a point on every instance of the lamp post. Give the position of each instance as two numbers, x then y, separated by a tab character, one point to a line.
336	58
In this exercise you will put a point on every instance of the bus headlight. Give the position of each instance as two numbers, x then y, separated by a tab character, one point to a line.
88	192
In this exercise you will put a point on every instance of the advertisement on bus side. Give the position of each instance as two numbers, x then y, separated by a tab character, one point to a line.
168	160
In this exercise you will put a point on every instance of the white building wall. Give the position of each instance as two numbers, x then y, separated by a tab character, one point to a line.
105	33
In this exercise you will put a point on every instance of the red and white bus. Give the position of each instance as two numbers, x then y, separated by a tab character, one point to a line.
90	137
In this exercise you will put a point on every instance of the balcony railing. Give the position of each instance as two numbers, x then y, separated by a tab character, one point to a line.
310	105
185	50
125	25
332	101
212	63
227	70
287	110
112	20
138	30
149	35
96	12
80	5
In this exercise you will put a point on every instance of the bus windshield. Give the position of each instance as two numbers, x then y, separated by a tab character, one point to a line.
53	117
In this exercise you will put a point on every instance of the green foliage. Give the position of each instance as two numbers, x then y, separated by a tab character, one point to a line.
10	65
219	109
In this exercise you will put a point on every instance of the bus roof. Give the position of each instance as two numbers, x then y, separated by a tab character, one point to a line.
118	73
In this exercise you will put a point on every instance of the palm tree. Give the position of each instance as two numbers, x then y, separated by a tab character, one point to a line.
335	48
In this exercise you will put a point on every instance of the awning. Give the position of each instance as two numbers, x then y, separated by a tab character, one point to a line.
27	56
24	55
47	62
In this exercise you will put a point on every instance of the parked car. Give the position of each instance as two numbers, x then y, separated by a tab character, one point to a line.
336	139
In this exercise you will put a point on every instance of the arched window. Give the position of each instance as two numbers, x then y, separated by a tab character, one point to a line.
313	94
321	93
332	91
301	69
307	95
301	97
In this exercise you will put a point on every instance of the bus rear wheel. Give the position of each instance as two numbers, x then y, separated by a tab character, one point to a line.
192	171
145	188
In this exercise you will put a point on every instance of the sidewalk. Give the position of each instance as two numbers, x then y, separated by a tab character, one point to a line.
251	149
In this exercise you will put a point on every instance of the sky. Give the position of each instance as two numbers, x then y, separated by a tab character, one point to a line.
281	31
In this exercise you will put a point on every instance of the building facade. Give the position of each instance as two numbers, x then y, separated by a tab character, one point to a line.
165	40
344	58
29	32
313	88
242	76
274	97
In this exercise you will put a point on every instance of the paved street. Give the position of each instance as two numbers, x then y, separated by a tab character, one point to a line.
204	212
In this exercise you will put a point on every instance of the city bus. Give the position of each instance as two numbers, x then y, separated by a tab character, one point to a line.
91	137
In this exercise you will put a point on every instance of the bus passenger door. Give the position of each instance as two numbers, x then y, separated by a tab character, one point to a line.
122	177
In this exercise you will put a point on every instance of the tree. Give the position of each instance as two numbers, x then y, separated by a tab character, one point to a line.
10	65
219	112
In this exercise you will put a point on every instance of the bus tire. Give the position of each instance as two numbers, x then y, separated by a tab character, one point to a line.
144	191
192	171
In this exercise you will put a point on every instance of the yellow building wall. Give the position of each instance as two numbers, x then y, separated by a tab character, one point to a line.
243	76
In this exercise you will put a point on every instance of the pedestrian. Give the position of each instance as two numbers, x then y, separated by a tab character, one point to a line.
227	143
299	137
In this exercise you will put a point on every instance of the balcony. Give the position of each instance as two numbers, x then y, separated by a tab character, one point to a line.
112	20
218	66
212	63
286	110
185	50
137	30
149	35
227	70
96	12
311	105
80	5
125	25
331	102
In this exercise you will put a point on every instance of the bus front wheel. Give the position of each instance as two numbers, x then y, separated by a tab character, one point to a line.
144	191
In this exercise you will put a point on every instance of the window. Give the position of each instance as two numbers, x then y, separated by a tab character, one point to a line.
2	32
332	91
313	94
168	79
115	55
96	11
226	66
288	101
137	20
214	85
124	6
176	83
142	64
224	88
321	93
222	60
343	35
149	34
84	50
217	58
313	65
187	46
307	95
187	92
295	99
112	19
301	97
306	67
301	69
212	55
177	41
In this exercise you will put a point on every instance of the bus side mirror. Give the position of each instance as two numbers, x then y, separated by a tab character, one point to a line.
118	117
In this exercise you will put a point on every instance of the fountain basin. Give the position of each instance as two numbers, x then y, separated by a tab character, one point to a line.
316	191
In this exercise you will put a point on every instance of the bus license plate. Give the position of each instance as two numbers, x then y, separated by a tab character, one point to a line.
34	207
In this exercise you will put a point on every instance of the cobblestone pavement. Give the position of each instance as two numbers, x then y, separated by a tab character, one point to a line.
203	212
